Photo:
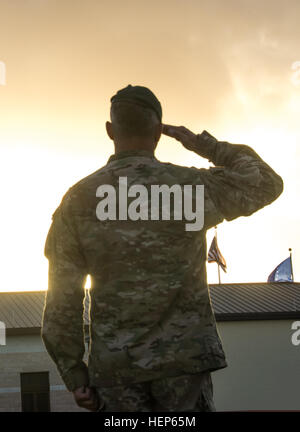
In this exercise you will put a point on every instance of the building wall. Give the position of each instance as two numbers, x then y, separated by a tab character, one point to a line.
263	370
27	354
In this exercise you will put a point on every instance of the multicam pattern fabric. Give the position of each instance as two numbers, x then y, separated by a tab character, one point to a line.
187	393
150	313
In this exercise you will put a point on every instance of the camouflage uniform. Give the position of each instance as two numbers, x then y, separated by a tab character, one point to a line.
180	393
151	315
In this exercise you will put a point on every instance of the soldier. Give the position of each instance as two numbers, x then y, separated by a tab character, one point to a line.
153	335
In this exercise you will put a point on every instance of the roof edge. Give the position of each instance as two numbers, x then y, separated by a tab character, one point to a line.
19	331
253	283
249	316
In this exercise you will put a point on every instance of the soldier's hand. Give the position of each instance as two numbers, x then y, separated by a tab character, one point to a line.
87	397
187	138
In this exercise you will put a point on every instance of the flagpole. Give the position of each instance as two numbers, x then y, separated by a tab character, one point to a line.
290	250
219	274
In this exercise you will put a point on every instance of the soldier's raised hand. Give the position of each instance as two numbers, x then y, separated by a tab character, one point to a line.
187	138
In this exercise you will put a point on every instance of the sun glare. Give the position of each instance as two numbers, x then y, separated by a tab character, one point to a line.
44	176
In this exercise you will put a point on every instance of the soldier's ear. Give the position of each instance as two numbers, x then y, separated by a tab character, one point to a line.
109	130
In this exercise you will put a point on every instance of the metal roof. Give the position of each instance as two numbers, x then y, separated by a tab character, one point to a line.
256	300
23	310
256	297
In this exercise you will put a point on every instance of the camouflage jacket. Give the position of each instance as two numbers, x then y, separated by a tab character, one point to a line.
150	309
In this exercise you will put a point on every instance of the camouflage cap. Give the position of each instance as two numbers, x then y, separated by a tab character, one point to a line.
139	95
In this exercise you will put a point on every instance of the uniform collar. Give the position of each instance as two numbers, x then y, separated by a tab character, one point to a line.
131	153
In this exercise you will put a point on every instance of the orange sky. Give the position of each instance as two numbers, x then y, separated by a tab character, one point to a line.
224	66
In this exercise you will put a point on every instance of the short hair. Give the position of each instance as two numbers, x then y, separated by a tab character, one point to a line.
131	120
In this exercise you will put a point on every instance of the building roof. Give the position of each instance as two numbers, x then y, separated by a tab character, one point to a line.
256	300
24	309
278	300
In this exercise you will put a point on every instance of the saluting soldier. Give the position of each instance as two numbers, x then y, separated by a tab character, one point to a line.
153	335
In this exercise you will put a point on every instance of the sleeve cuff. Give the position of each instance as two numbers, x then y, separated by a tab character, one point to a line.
207	145
220	153
76	377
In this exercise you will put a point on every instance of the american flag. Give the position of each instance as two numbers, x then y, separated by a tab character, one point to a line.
214	255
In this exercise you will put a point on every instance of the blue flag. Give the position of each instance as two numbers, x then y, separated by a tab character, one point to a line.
283	272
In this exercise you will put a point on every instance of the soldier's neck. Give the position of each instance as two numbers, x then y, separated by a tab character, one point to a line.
134	144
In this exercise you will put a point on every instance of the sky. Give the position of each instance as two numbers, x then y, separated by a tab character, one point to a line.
230	67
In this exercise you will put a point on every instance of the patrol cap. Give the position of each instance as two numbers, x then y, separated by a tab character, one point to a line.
140	96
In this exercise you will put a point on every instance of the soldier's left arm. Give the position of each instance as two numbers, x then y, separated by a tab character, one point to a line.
63	324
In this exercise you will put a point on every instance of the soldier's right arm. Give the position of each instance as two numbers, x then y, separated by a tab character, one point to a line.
240	183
